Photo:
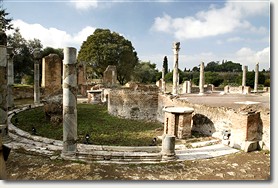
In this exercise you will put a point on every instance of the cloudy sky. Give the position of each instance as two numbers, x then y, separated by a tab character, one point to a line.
207	30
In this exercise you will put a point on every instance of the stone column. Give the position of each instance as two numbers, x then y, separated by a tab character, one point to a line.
10	77
168	148
189	85
3	99
176	48
244	75
37	56
69	102
256	78
202	78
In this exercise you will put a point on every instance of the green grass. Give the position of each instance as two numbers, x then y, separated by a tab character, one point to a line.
103	128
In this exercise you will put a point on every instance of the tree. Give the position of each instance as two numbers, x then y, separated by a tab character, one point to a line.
165	65
22	50
104	48
49	50
5	23
145	72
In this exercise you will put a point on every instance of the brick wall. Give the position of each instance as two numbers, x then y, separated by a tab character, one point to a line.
134	103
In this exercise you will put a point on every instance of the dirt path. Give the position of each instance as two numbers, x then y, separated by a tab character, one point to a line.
239	166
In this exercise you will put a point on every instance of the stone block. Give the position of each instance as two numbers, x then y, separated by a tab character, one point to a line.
249	146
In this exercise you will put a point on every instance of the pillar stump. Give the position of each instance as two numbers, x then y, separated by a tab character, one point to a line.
178	121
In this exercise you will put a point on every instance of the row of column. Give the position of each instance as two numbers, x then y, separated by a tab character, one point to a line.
176	48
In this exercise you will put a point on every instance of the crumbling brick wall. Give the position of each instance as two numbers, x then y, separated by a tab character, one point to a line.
134	103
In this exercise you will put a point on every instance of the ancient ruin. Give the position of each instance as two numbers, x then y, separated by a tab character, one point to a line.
10	78
51	74
37	56
176	48
110	75
202	79
69	102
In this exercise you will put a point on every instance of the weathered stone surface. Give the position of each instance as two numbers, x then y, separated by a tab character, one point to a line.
176	48
202	78
53	107
138	102
69	102
51	74
110	75
37	55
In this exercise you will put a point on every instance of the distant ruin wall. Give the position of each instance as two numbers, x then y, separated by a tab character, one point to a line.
133	103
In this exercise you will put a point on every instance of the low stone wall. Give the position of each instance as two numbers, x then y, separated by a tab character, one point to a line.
212	121
134	103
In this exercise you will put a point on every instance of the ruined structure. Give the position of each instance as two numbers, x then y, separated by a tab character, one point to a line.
202	78
246	131
186	87
37	56
82	79
244	71
138	102
10	77
256	78
163	86
3	99
51	74
176	49
69	102
110	75
178	121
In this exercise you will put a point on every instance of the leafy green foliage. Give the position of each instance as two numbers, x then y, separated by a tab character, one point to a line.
94	120
22	50
227	66
213	78
5	23
250	79
165	65
104	48
49	50
145	72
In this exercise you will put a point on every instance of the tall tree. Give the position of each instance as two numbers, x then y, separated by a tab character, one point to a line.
22	50
145	72
5	23
165	64
104	48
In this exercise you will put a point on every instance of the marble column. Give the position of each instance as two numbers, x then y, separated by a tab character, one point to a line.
10	77
163	81
69	102
176	48
3	99
37	56
256	78
202	78
244	75
189	86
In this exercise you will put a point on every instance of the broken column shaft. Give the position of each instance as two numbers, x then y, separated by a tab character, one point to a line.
37	56
176	48
202	78
69	102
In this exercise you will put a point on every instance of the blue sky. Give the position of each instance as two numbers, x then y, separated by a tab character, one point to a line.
207	30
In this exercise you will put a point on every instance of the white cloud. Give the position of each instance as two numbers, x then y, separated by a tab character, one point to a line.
52	37
249	57
235	39
84	4
212	22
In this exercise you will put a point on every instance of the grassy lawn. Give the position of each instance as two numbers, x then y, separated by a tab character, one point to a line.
94	120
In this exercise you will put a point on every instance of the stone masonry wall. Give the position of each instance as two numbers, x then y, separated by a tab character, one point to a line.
213	120
134	103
